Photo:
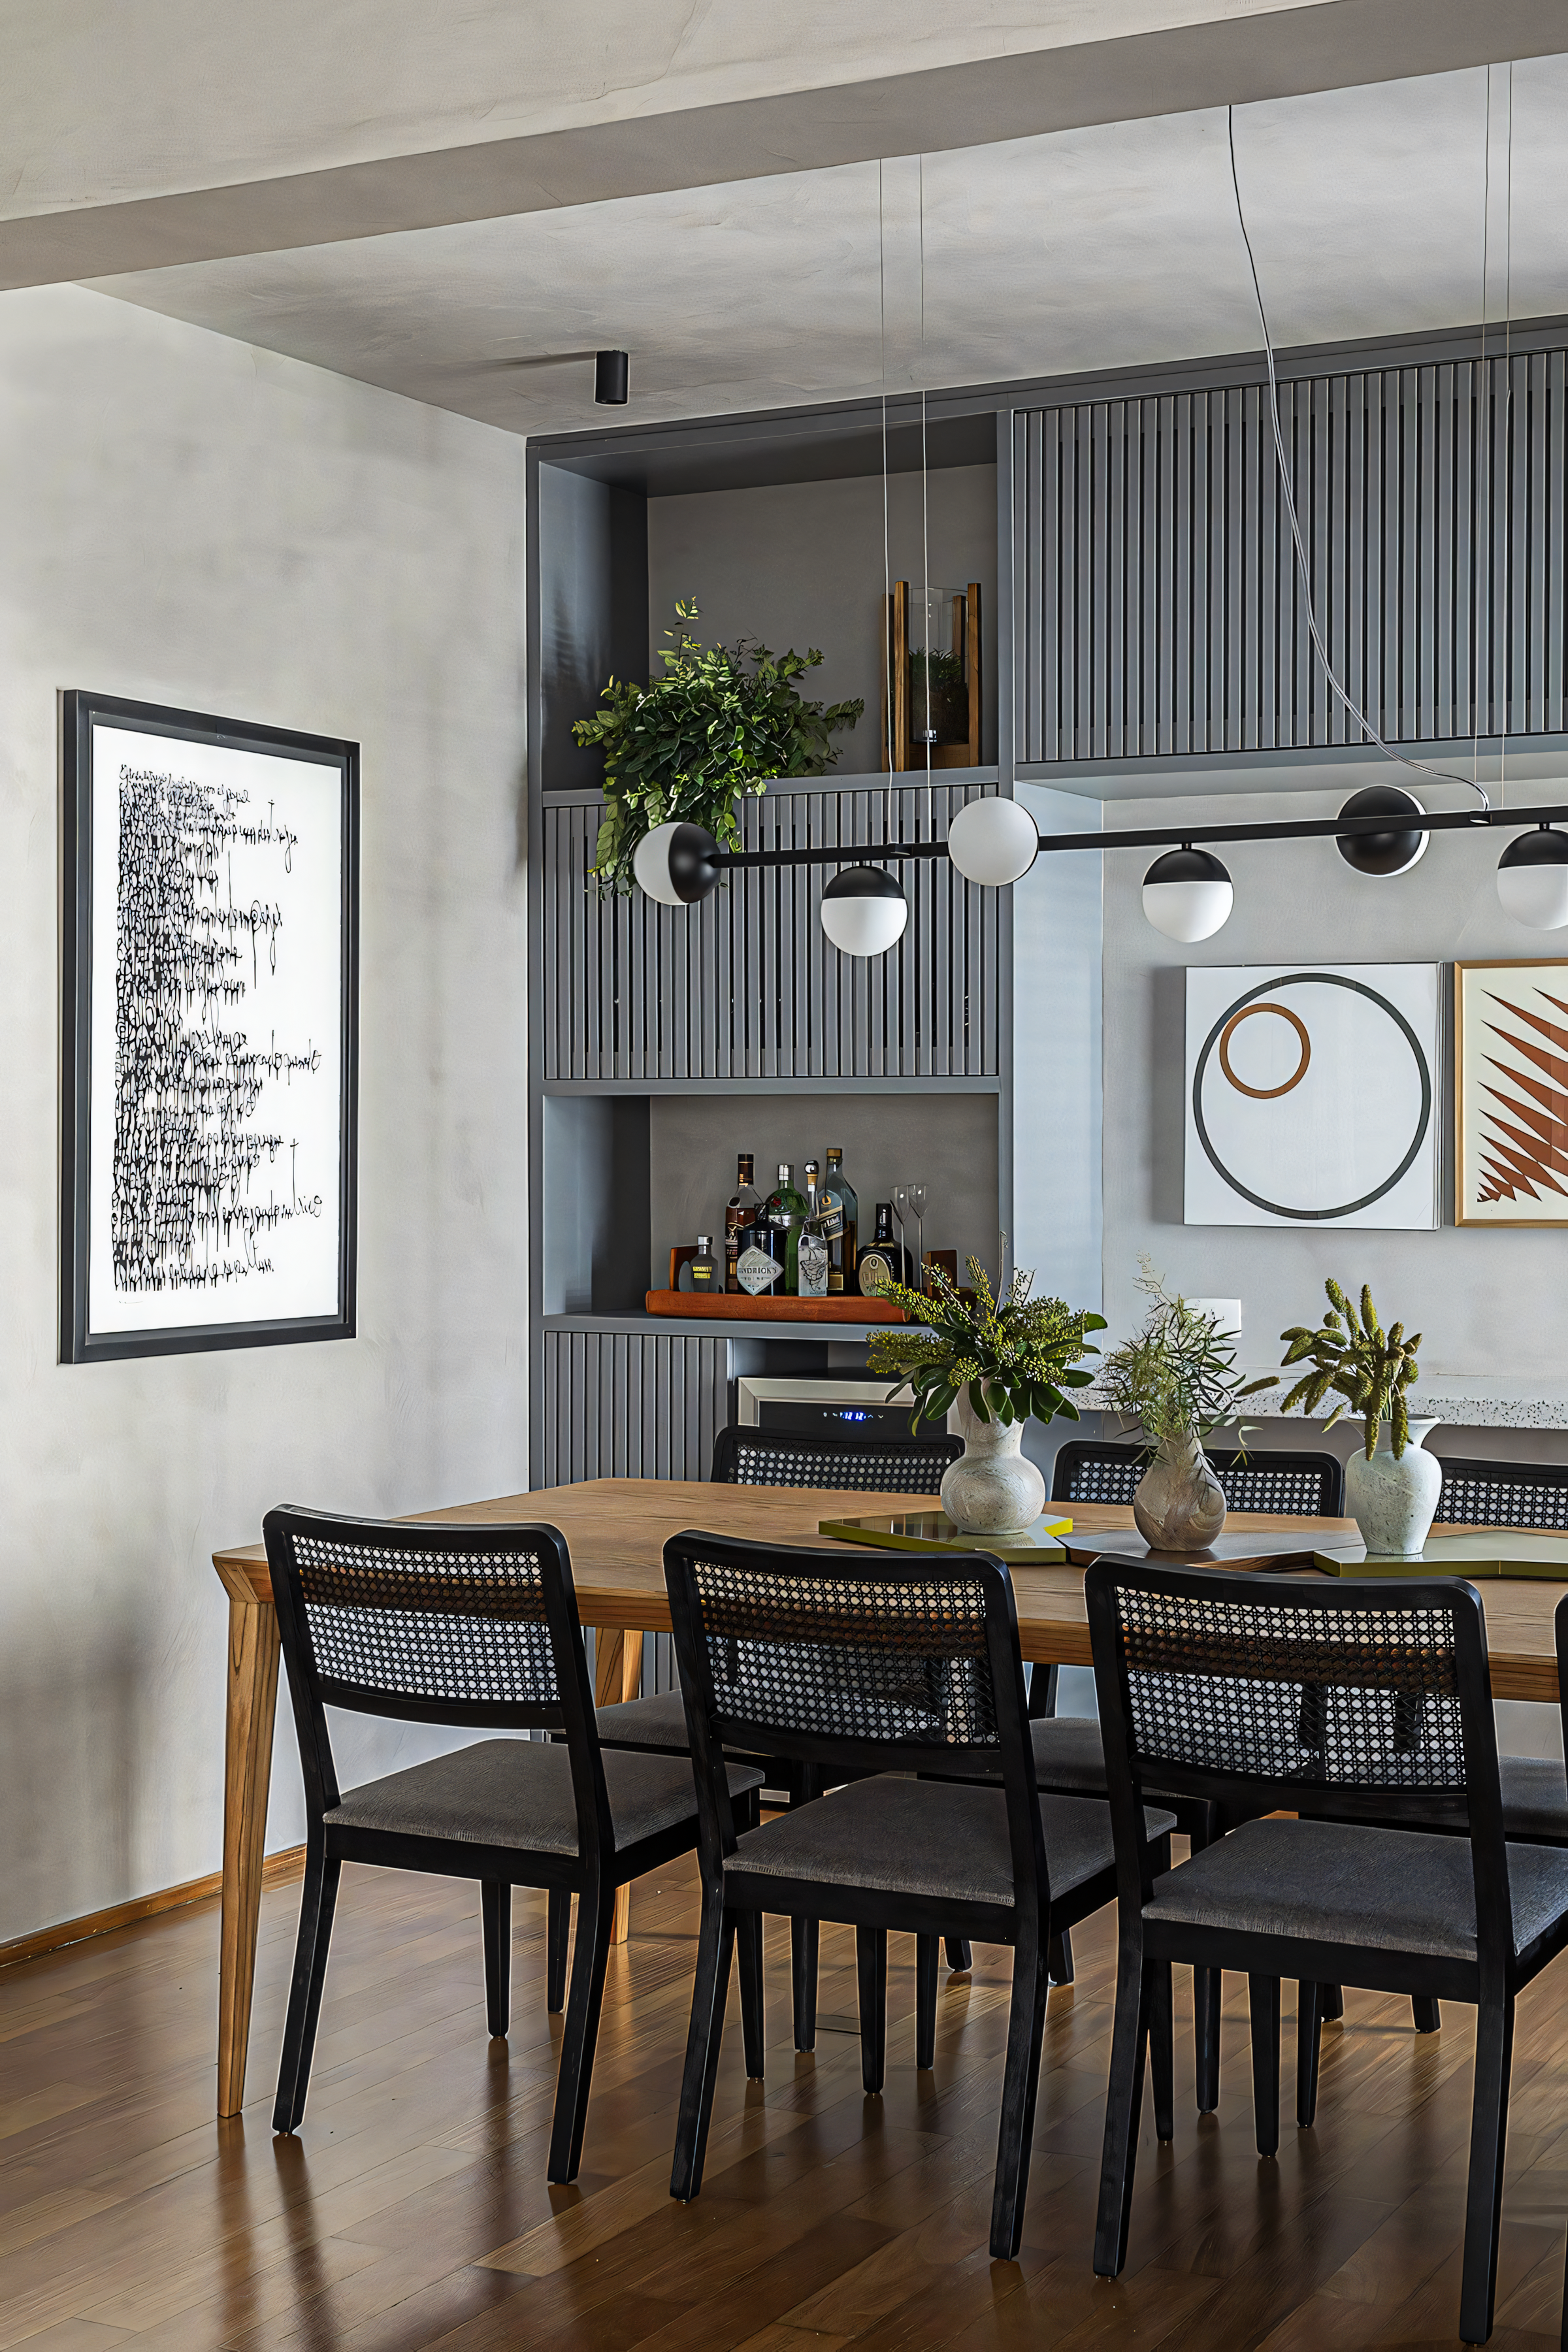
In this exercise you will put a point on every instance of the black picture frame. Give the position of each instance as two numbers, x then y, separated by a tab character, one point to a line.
80	714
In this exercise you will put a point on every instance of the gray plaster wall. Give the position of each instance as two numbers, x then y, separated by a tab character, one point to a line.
801	564
194	522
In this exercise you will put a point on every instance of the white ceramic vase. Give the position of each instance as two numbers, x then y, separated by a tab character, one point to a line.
1393	1502
1179	1505
992	1489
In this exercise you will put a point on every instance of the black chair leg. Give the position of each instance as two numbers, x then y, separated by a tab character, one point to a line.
1059	1958
1123	2104
803	1946
1043	1684
715	1945
595	1922
1020	2082
1308	2038
1209	1984
1426	2012
557	1944
1331	2002
927	1957
749	1939
317	1899
1161	2053
1263	2001
495	1911
959	1957
871	1970
1483	2199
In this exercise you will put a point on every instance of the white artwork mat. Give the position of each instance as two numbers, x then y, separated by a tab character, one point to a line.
1311	1095
215	1034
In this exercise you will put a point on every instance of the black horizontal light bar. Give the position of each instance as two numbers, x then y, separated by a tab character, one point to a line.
1165	837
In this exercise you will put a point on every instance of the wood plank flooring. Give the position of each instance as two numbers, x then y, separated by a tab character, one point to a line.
413	2212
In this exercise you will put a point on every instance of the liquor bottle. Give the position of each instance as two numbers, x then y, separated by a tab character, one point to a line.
840	1226
811	1251
704	1266
883	1260
785	1214
744	1210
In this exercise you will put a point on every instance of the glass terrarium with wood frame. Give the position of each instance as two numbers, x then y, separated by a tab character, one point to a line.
931	711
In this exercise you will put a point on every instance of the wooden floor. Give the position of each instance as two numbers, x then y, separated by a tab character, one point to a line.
413	2210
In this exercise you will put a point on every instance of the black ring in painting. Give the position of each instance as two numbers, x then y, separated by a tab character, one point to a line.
1326	980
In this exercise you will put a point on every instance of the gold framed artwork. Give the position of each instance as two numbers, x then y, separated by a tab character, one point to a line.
1511	1093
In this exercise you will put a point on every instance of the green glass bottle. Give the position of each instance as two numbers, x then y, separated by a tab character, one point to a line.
785	1214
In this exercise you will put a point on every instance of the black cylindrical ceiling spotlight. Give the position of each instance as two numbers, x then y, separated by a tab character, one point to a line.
612	379
1187	894
1383	854
864	911
1533	880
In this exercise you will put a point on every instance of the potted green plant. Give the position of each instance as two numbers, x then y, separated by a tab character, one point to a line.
1001	1361
1391	1486
720	723
1177	1377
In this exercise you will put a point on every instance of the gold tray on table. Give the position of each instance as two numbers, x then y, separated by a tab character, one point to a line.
931	1531
1486	1552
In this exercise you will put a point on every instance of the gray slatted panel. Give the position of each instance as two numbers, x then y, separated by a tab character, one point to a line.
1158	603
630	1404
747	985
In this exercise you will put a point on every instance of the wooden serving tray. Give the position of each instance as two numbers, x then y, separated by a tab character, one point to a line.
735	1307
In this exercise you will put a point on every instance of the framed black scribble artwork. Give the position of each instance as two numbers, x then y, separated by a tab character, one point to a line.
211	979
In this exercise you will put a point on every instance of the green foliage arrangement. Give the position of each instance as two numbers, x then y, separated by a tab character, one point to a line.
722	722
1013	1357
1352	1354
1177	1375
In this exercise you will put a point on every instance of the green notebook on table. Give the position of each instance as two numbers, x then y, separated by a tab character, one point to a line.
1487	1553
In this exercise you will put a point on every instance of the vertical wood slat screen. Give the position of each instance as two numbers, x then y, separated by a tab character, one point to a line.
747	985
1159	605
625	1404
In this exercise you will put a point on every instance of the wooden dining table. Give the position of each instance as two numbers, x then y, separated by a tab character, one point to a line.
615	1529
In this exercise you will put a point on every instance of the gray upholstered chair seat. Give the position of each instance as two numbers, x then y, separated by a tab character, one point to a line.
518	1792
1534	1797
942	1839
1392	1890
657	1724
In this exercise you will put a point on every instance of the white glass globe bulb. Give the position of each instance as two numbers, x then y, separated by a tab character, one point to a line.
992	840
1187	895
864	911
1533	880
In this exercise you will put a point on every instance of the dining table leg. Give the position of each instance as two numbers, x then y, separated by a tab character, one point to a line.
618	1676
252	1703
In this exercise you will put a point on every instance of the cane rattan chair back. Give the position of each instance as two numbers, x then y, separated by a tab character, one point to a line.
895	1666
1370	1702
435	1624
1481	1494
1284	1484
885	1466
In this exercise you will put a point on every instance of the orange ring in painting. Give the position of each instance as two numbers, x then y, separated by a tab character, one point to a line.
1264	1094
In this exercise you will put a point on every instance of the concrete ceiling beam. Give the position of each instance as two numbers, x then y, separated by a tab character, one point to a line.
1264	53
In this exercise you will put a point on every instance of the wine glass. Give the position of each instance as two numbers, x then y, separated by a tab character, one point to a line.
916	1196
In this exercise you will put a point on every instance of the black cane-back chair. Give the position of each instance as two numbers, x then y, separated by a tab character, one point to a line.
1481	1494
1285	1484
873	1466
1369	1707
473	1625
880	1669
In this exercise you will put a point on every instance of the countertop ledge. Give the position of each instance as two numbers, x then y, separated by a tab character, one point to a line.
1461	1399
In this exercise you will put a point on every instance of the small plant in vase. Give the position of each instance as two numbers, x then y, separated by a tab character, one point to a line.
1000	1361
1391	1486
1177	1377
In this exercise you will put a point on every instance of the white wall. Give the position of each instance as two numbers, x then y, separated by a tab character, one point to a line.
189	520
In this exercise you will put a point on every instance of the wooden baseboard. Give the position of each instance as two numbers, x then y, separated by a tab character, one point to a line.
277	1871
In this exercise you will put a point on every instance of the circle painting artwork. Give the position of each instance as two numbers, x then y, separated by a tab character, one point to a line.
1310	1096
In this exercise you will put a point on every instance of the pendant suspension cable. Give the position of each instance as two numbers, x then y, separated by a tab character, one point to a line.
1506	433
1287	493
882	370
925	503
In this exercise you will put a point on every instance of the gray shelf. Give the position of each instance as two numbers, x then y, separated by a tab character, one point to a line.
792	1085
834	779
711	1326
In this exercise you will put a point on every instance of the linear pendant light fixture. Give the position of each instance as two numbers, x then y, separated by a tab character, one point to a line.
1381	830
